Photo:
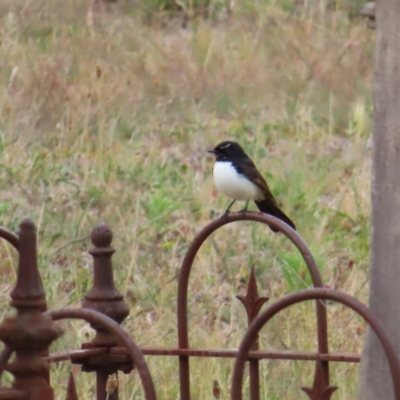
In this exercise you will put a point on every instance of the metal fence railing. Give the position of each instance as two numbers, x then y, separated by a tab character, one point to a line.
30	332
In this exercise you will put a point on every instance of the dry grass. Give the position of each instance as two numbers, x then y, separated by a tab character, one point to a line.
107	116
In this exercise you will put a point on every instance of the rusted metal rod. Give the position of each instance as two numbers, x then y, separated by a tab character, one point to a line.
252	355
252	304
313	294
11	237
98	319
293	236
210	353
67	355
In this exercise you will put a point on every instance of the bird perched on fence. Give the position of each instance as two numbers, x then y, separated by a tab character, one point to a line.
236	176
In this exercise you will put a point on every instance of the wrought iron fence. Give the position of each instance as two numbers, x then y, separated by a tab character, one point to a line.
30	332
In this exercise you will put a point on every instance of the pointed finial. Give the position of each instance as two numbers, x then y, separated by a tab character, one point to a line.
104	296
320	390
30	332
29	291
102	235
251	302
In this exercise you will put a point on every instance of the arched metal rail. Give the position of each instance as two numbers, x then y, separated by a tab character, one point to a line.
313	294
94	317
11	237
299	243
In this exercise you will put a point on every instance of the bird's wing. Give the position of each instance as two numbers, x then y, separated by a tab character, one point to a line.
251	171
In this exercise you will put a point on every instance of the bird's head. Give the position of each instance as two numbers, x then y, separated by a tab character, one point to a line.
227	150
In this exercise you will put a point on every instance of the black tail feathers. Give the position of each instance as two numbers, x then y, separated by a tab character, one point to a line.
272	209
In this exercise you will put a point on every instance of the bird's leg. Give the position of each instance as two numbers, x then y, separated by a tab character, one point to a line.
224	215
245	207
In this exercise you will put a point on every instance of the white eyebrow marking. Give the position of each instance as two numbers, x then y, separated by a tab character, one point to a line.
226	146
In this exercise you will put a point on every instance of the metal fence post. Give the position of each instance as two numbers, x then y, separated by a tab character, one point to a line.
252	303
29	333
106	299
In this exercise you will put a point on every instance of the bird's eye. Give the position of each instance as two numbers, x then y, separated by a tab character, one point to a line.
225	146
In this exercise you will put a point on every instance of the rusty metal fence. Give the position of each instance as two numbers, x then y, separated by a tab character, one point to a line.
28	334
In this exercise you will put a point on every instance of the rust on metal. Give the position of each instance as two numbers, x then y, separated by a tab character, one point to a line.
11	394
106	299
76	354
319	391
313	294
11	237
209	353
98	319
252	304
259	355
28	293
103	296
71	389
293	236
29	332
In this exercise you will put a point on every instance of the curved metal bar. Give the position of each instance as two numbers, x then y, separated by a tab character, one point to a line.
292	235
11	237
313	294
94	317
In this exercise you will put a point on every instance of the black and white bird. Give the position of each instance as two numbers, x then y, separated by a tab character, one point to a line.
236	176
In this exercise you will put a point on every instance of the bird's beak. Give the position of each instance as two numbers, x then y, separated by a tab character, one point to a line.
211	151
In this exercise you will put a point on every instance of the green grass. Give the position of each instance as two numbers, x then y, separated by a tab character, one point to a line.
106	115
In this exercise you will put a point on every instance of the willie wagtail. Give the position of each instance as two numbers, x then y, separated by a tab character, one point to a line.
236	176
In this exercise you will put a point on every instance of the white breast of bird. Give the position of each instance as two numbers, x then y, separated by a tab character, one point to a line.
234	185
